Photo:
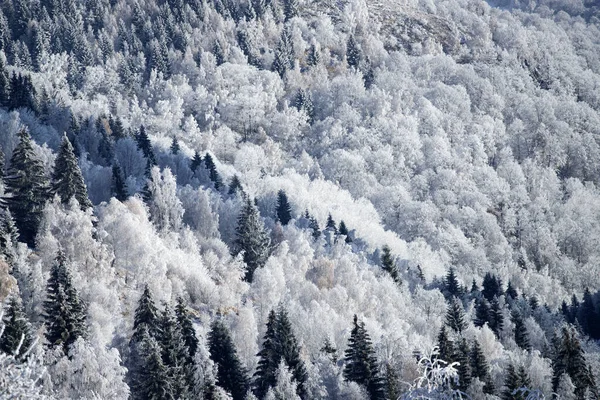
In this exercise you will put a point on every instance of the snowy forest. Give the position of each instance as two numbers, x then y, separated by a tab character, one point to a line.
300	199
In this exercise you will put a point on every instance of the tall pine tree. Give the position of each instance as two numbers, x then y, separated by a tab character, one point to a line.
388	264
284	209
16	337
252	239
455	316
279	344
27	189
67	180
231	375
361	364
569	359
174	353
64	312
209	164
480	368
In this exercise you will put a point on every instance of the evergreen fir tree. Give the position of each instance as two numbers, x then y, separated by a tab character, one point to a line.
269	358
116	128
392	387
231	374
252	239
515	379
570	359
521	335
284	209
209	164
492	286
27	188
106	145
16	337
343	230
67	180
474	287
279	344
4	85
461	355
482	312
9	236
455	316
480	368
451	284
143	143
119	191
331	224
190	340
64	312
175	148
314	57
152	375
291	351
361	365
353	53
445	346
290	9
388	264
174	353
218	53
235	186
588	316
146	314
303	102
511	291
314	225
196	161
284	54
496	320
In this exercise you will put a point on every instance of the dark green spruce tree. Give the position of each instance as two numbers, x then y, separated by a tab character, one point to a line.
284	209
144	144
515	380
64	312
16	337
152	375
331	224
190	340
119	190
196	161
251	239
388	264
175	148
209	164
279	344
231	375
353	53
462	356
361	365
482	312
235	186
142	345
67	180
174	353
569	358
343	230
521	335
496	320
27	189
451	285
480	368
455	316
445	346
